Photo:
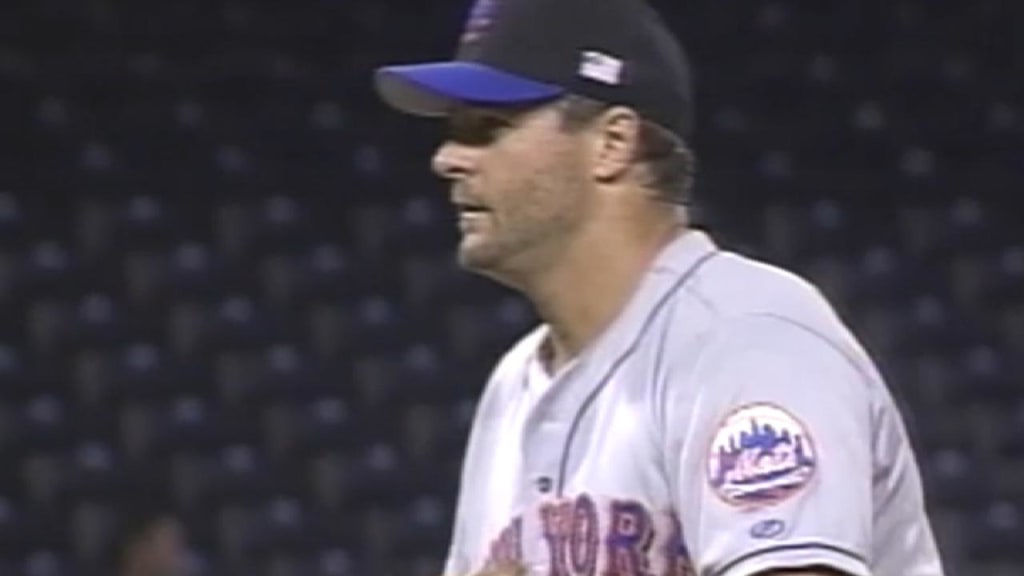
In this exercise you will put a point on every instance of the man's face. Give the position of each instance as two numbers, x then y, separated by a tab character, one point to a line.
520	184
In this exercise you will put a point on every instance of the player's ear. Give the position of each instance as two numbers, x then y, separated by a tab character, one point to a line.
615	139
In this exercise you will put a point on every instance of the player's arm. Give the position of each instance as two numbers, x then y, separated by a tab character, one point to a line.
773	465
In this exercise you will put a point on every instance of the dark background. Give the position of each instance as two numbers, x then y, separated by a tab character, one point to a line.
226	272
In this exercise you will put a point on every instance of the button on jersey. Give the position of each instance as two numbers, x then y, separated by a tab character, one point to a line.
726	423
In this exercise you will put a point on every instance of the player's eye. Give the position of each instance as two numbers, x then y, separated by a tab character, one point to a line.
477	128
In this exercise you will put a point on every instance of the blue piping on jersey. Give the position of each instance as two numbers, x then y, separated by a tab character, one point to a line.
680	282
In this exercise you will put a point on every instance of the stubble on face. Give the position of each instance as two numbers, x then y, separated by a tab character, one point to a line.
533	184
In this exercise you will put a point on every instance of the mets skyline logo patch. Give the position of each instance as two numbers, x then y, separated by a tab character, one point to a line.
760	455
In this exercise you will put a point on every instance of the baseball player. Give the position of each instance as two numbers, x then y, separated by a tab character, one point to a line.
682	410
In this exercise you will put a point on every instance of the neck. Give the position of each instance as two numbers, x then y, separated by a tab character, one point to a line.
588	287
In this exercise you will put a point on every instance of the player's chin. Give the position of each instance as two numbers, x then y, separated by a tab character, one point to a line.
473	258
477	254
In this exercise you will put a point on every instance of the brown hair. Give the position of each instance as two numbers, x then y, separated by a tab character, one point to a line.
671	164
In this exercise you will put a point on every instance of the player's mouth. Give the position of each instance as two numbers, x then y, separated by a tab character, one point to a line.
470	210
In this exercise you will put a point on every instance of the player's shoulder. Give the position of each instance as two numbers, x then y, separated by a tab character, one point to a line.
737	306
735	285
516	360
510	370
734	292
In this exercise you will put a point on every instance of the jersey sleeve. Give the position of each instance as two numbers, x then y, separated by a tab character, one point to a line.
455	563
772	459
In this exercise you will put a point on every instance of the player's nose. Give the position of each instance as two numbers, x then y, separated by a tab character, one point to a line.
451	161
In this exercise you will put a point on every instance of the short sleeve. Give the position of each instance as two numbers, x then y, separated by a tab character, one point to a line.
771	458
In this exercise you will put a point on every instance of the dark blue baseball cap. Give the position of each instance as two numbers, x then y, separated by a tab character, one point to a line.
523	52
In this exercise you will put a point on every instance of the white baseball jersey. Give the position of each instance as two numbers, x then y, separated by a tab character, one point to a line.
724	424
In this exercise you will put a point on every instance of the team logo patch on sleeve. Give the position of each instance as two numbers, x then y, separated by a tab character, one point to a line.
760	455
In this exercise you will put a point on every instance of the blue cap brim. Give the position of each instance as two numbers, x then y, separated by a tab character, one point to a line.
434	89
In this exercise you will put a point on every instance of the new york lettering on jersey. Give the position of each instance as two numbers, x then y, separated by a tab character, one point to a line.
590	536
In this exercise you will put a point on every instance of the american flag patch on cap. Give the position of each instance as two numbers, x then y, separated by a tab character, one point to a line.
600	67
